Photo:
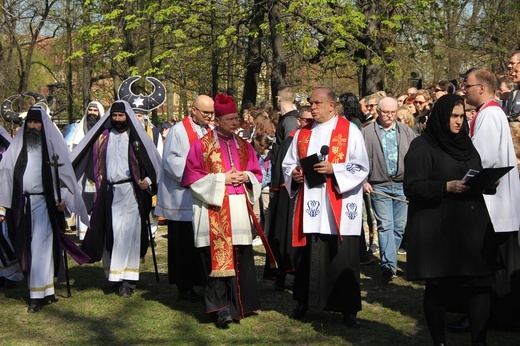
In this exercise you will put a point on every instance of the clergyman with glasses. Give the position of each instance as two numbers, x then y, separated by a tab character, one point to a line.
387	142
174	201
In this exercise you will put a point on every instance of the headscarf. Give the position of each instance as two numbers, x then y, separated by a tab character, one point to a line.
55	144
81	129
458	146
148	148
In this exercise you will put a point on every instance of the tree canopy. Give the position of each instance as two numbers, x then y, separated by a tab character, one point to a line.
251	48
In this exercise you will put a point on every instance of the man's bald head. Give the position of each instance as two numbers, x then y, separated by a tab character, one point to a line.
203	109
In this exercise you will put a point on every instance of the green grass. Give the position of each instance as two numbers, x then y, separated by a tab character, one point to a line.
95	315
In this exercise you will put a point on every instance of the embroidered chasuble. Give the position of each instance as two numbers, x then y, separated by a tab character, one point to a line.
217	204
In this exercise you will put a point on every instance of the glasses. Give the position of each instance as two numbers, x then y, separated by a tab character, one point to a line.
437	90
372	105
206	113
467	86
419	102
388	112
307	120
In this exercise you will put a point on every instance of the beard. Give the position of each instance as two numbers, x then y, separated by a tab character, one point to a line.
119	125
34	139
91	121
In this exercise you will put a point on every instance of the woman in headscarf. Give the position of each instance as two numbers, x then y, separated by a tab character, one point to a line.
451	242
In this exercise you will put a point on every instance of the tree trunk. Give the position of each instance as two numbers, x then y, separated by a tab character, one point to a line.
279	69
254	56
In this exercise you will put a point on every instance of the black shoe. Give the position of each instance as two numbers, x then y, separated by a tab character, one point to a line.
125	291
224	318
35	306
6	283
367	258
462	325
299	311
279	283
189	295
388	274
50	299
351	321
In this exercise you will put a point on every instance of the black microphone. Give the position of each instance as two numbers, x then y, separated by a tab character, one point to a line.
324	151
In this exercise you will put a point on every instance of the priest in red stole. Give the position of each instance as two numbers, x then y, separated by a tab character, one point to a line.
327	217
223	175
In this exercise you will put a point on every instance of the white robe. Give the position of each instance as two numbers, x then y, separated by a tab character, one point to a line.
350	175
173	201
123	264
492	139
41	276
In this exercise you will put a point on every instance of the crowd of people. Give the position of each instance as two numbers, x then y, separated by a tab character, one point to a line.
324	184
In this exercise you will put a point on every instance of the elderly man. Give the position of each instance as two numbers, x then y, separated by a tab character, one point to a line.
34	210
174	201
224	176
491	137
121	164
387	142
328	216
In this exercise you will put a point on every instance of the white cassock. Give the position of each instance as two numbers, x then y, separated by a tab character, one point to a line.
350	175
492	139
123	264
41	276
173	200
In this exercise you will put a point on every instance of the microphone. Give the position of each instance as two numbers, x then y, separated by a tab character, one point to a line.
324	151
137	146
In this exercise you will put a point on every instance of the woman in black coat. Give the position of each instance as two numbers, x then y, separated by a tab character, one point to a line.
451	241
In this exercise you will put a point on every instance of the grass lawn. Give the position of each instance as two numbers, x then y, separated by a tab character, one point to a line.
96	315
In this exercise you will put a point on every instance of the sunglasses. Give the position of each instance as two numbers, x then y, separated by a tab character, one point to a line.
372	105
307	120
419	102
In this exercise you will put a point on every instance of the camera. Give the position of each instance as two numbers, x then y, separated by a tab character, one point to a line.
365	117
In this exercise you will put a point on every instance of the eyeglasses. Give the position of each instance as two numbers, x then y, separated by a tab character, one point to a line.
387	112
437	90
207	113
307	120
467	86
372	105
419	102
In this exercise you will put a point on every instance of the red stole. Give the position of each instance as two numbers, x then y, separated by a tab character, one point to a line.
337	154
490	103
220	235
188	127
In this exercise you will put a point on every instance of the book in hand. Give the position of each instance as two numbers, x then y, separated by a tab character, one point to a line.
312	177
485	178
